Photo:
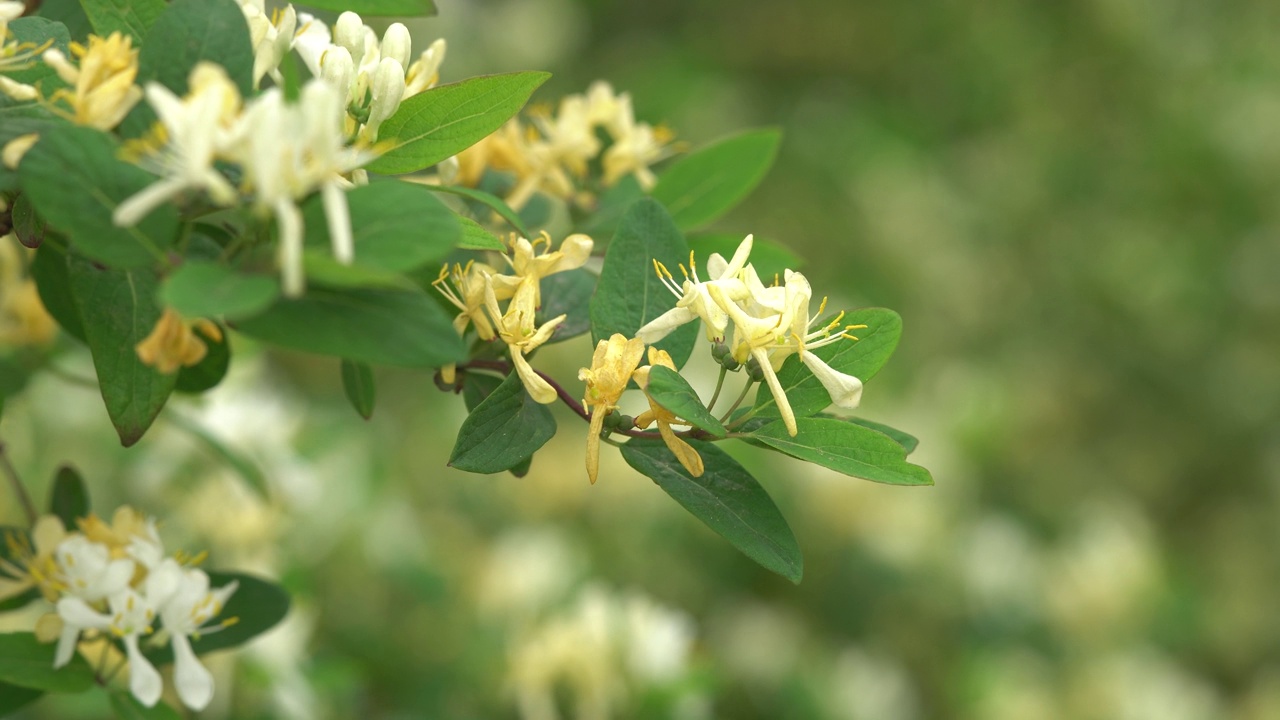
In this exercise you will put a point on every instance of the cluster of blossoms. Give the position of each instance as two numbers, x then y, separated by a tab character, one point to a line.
114	582
23	319
552	154
770	324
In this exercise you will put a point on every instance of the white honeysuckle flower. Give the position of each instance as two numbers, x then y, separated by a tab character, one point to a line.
770	336
570	136
185	603
349	32
634	149
337	68
16	90
271	37
131	616
604	107
10	10
147	548
87	570
291	151
196	129
694	299
310	41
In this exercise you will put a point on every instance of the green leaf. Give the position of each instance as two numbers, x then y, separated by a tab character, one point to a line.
397	226
629	293
69	499
118	310
27	225
357	383
503	430
16	119
28	663
131	17
322	268
847	448
709	182
476	387
377	8
13	698
380	327
568	293
611	206
673	392
862	358
768	257
443	121
49	270
493	202
257	605
726	498
211	290
127	707
206	374
908	442
70	14
76	183
37	31
475	237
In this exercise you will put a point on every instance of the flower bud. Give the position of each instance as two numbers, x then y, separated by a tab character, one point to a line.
396	44
387	89
348	32
753	369
337	68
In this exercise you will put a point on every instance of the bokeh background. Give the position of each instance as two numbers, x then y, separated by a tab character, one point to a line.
1074	208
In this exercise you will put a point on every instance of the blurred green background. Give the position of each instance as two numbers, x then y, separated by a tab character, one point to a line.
1074	208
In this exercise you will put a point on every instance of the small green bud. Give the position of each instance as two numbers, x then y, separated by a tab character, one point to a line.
723	355
753	369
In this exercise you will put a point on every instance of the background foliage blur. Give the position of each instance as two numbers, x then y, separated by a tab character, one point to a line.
1074	208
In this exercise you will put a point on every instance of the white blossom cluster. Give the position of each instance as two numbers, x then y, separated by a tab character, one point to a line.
116	581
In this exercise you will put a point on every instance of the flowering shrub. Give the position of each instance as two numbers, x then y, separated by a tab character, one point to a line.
200	167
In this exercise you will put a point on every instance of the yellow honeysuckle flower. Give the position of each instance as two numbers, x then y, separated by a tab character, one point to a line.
683	451
517	329
529	264
463	286
695	301
612	364
173	343
774	323
103	89
23	319
639	146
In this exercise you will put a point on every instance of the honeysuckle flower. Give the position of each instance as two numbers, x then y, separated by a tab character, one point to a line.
33	563
102	91
464	286
770	336
683	451
638	146
612	365
694	299
173	343
86	570
527	262
192	132
386	90
10	10
424	73
131	616
516	327
15	55
185	604
570	136
271	37
291	151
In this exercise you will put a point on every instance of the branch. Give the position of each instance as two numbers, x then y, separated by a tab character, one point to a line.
18	490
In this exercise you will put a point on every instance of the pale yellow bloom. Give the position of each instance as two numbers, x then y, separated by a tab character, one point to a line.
103	89
33	562
611	368
464	285
640	146
527	263
173	343
516	327
23	319
683	451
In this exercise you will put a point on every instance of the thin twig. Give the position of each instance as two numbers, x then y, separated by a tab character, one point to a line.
16	483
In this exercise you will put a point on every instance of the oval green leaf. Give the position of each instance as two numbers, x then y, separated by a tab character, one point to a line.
568	293
131	17
709	182
441	122
357	383
69	498
27	662
505	429
847	448
211	290
726	498
397	226
673	392
489	200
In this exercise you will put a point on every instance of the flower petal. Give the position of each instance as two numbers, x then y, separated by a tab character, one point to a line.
845	390
192	680
661	326
144	679
539	389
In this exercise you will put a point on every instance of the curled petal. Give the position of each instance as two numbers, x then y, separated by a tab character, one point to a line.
539	389
775	387
192	680
845	390
683	451
664	324
144	679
